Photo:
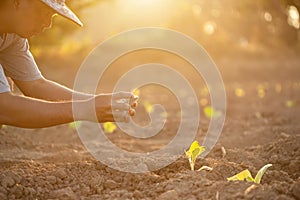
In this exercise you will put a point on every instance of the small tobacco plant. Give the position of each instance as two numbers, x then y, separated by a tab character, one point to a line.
194	151
74	125
246	175
109	127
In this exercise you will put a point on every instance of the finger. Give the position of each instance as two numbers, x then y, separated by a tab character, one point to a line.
124	116
120	106
133	101
134	104
135	98
131	112
121	116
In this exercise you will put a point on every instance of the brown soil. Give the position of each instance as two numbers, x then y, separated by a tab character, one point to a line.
52	163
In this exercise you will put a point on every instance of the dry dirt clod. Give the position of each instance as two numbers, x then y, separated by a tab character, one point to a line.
65	193
137	194
51	179
94	197
2	196
3	193
284	135
7	181
85	190
29	191
17	190
14	176
169	195
3	190
95	181
60	173
296	190
110	184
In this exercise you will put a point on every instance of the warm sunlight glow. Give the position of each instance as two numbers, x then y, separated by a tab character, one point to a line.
215	13
243	42
211	23
278	88
209	28
293	17
239	92
147	10
196	10
268	16
146	2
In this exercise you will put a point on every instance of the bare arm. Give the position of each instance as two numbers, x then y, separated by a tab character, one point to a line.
48	103
27	112
33	113
48	90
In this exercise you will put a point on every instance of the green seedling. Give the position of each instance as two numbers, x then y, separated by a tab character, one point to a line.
136	92
109	127
164	114
246	175
239	92
194	151
204	92
260	173
278	88
261	90
290	103
210	112
74	125
148	107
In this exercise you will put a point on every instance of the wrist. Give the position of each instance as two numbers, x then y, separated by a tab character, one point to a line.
83	110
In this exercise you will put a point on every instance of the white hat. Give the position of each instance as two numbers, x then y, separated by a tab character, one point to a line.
61	8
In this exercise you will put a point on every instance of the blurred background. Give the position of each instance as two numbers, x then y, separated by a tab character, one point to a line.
228	29
222	27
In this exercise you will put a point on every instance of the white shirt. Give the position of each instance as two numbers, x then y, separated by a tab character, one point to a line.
16	61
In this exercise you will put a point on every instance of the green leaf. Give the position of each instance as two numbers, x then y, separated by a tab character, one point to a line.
210	112
260	173
136	92
290	103
148	107
242	176
164	114
239	92
247	175
194	151
74	125
109	127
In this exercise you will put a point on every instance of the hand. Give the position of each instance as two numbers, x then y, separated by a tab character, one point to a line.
116	107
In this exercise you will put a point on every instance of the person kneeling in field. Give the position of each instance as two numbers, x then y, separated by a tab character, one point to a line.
45	103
